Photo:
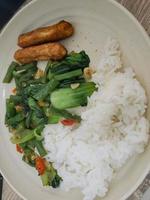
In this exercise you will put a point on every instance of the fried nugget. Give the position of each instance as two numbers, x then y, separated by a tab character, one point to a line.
53	51
53	33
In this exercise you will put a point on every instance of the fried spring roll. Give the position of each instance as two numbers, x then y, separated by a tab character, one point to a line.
52	33
54	51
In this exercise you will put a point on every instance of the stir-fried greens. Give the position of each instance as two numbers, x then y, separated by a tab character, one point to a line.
41	98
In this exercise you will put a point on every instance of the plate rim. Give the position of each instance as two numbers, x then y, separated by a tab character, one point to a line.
147	38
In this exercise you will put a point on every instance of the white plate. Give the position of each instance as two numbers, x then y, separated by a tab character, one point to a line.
94	21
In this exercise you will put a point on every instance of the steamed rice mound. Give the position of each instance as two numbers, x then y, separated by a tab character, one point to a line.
113	129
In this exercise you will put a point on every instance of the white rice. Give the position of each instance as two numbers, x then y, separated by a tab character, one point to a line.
113	129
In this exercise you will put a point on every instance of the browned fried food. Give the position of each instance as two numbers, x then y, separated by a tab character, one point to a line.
54	51
52	33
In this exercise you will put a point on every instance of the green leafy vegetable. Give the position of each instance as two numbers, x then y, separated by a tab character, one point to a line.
29	156
46	178
46	90
40	148
67	98
13	121
69	75
71	62
56	181
23	137
50	177
28	119
54	115
26	67
37	116
24	73
68	82
16	99
10	110
38	132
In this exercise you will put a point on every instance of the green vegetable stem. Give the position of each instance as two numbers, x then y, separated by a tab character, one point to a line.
9	75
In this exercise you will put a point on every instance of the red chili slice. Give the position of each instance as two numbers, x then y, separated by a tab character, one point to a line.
40	165
68	122
19	149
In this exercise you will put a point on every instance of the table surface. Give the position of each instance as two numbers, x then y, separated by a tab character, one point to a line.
141	10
